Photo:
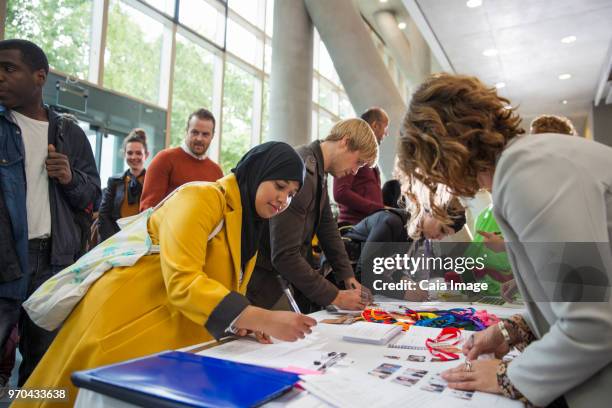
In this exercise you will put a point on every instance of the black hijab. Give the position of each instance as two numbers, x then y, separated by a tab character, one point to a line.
268	161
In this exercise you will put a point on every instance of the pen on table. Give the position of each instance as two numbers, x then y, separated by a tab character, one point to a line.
333	360
292	301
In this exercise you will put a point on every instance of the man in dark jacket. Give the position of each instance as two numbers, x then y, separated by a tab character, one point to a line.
48	179
286	245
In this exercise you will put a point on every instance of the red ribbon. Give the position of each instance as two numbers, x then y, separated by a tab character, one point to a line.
448	337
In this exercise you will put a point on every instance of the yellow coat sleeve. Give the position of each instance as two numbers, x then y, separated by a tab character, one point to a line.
189	218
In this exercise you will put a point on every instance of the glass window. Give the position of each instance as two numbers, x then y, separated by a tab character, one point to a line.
66	44
238	91
326	122
268	56
165	6
193	85
133	52
314	125
251	10
205	18
328	98
109	156
265	111
269	17
326	65
346	109
244	44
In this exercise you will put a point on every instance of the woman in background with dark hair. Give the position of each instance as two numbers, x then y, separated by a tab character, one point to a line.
391	192
122	194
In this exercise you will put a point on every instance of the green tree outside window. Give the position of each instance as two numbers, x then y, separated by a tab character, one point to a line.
237	116
62	28
193	86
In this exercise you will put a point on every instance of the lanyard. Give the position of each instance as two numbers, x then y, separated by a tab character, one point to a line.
466	318
444	344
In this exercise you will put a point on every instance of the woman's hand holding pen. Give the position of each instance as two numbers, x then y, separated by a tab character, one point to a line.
262	338
286	326
487	341
479	375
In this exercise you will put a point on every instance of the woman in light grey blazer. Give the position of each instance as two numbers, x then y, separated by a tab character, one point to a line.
553	202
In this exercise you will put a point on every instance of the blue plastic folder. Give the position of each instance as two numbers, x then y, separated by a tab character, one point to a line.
177	379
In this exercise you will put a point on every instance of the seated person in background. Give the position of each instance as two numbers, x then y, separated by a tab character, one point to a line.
193	290
552	124
489	245
358	195
121	196
286	247
176	166
391	225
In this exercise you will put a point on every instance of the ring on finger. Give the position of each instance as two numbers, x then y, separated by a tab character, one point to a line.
468	366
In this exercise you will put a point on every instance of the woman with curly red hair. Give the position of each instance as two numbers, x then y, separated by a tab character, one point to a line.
552	196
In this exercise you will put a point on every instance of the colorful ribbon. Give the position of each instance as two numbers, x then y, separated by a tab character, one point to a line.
467	318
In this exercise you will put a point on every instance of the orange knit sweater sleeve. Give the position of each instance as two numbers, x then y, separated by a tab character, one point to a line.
157	179
218	170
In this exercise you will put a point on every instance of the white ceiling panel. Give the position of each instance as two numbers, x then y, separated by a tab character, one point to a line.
527	34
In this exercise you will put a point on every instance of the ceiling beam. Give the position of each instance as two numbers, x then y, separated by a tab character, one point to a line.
430	37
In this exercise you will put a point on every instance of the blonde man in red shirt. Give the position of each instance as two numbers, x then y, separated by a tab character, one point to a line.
176	166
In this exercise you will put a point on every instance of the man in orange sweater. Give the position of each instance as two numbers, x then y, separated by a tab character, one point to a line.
176	166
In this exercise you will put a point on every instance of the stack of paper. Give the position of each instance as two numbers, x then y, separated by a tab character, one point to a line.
354	390
372	333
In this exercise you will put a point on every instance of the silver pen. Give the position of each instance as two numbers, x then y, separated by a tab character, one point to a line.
292	301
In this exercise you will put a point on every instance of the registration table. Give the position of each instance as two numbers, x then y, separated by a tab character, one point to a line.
373	375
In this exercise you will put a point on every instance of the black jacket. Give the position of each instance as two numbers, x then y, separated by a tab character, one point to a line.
68	205
110	207
387	225
9	262
69	201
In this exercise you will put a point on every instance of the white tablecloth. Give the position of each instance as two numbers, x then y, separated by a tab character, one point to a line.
362	356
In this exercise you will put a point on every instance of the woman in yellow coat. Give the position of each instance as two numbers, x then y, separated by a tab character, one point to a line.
193	290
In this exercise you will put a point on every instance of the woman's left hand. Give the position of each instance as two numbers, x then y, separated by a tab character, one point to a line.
482	377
